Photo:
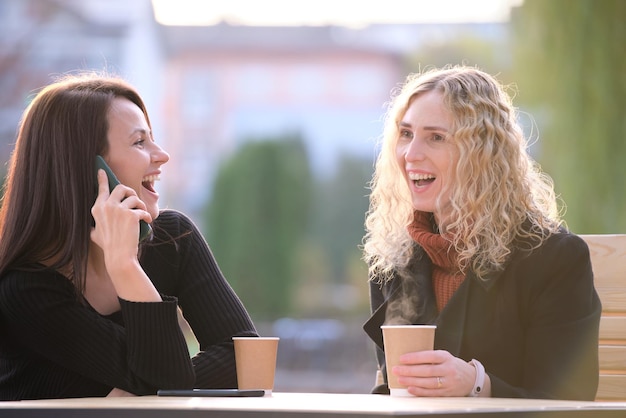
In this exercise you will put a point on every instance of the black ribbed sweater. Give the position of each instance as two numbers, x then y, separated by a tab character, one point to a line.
55	346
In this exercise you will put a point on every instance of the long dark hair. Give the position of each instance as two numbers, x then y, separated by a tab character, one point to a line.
45	217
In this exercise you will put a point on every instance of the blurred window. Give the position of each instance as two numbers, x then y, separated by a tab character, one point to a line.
256	82
199	94
361	82
306	82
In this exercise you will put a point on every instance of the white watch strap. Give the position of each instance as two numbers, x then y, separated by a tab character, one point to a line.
480	378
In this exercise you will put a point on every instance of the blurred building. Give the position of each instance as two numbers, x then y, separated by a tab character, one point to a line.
228	84
211	88
43	39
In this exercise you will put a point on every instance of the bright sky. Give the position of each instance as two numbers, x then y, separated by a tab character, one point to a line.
329	12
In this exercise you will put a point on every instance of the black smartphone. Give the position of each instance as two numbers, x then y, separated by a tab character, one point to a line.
239	393
144	227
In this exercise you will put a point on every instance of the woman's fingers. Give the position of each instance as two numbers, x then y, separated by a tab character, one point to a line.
435	373
117	215
426	356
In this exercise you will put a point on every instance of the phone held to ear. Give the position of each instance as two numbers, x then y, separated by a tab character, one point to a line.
144	227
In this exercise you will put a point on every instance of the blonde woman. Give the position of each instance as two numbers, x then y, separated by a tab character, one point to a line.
464	232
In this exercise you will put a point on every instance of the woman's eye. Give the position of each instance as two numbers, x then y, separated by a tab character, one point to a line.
405	133
438	138
140	142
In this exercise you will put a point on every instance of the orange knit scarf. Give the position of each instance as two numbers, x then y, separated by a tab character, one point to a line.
446	276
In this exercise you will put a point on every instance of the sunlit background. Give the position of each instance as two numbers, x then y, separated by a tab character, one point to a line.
351	13
271	111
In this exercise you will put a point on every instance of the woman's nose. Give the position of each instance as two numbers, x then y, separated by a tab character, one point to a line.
159	155
414	151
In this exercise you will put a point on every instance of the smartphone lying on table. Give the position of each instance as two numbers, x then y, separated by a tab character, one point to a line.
144	228
239	393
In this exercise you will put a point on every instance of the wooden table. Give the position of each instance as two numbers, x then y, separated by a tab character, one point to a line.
308	405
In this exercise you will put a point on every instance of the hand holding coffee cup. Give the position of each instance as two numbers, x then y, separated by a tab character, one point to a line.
402	339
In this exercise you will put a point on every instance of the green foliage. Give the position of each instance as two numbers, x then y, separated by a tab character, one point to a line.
332	276
289	245
468	49
256	219
571	71
340	205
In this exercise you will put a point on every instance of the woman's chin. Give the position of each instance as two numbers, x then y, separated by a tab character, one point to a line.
154	212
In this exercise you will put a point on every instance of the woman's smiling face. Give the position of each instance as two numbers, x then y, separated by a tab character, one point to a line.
133	155
425	152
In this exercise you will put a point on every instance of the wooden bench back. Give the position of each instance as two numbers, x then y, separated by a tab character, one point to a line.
608	259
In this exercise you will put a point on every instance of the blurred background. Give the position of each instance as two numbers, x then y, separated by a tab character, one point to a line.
271	111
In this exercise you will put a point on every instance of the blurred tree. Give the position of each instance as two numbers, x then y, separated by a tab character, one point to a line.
340	205
571	71
489	54
330	282
257	217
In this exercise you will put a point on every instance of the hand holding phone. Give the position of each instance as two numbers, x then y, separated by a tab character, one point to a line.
144	227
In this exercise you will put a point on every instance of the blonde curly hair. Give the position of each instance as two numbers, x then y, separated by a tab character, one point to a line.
498	193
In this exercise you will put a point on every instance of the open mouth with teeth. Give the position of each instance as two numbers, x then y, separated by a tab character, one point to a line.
148	182
420	179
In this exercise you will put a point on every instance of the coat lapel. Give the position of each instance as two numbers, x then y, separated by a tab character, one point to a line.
451	321
452	324
414	280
